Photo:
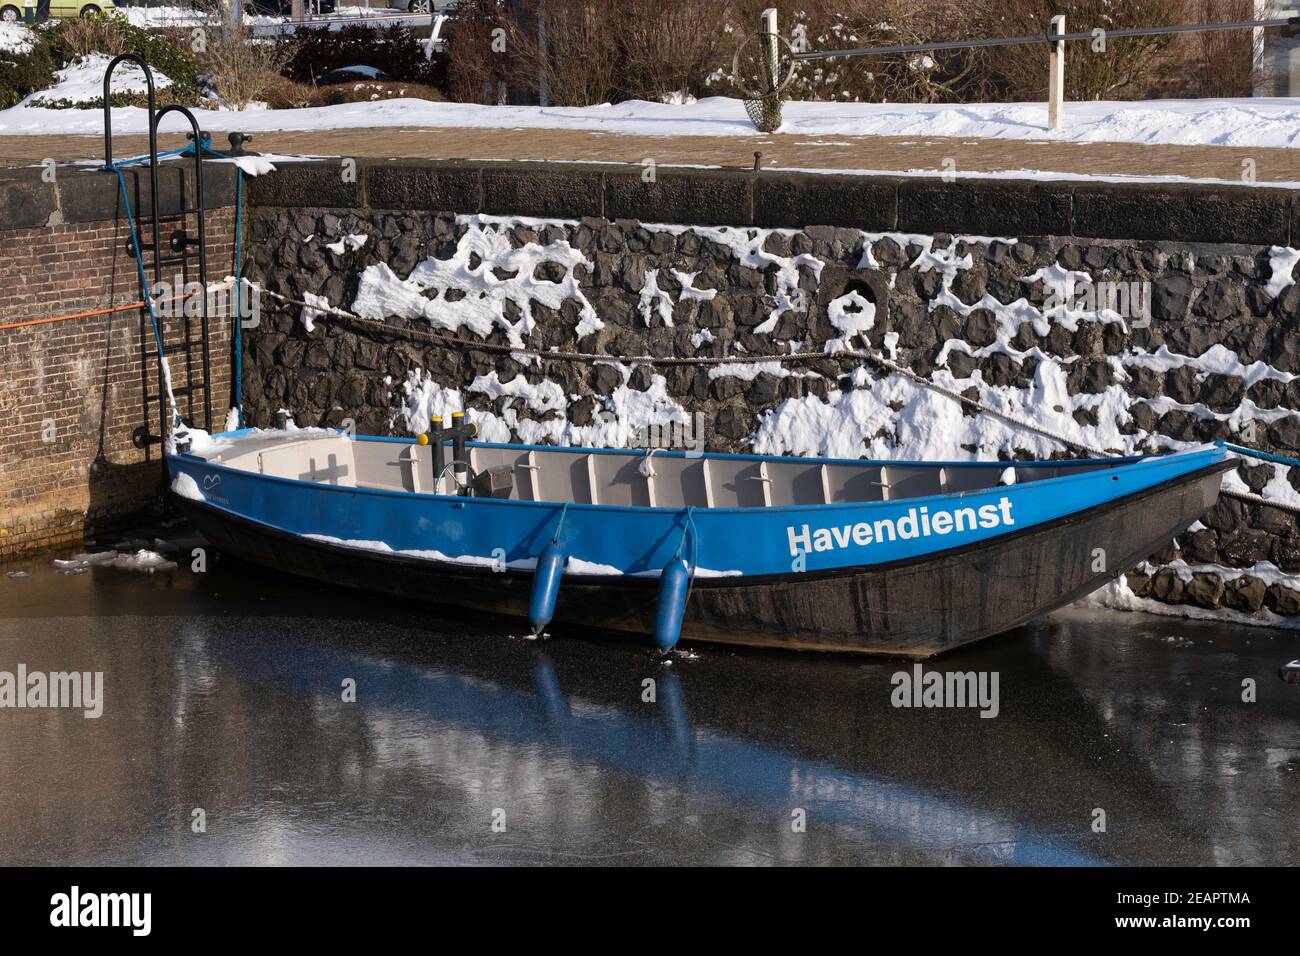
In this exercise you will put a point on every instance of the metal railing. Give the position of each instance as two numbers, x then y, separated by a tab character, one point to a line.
766	102
1290	27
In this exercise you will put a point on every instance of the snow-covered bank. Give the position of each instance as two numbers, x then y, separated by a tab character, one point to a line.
15	38
1264	122
82	82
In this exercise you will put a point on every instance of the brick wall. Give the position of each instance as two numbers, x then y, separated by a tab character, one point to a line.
72	392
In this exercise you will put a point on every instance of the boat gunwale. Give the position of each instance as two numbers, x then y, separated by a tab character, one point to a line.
742	456
1134	461
338	545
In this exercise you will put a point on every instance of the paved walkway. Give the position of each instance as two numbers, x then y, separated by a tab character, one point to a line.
784	150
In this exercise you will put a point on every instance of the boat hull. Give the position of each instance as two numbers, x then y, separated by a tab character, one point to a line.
915	608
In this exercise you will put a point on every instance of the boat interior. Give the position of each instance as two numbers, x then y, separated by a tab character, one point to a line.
632	477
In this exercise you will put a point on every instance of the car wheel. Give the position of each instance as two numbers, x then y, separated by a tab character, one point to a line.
10	14
89	12
419	6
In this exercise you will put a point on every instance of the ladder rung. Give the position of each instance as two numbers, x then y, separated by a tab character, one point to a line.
179	348
180	392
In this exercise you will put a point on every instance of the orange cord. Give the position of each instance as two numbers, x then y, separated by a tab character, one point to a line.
107	311
74	315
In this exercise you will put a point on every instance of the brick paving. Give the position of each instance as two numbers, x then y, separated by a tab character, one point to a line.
887	153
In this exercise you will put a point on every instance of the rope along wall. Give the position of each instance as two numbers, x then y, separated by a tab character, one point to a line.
855	355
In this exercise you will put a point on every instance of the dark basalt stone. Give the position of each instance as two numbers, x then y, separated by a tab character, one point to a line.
1170	296
1204	590
1245	593
1282	600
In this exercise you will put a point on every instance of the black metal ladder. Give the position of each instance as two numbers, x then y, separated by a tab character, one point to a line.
182	252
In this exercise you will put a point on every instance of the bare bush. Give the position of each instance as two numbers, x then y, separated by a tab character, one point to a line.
369	91
1221	63
242	69
843	24
478	51
1112	68
584	52
286	94
668	47
570	53
84	36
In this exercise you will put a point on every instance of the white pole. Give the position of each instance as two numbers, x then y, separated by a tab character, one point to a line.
432	42
1056	77
768	26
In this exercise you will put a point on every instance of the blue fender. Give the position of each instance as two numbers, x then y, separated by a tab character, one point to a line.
546	586
674	584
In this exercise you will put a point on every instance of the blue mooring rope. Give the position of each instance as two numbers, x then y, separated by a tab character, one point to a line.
1263	455
555	538
688	527
148	294
239	315
187	150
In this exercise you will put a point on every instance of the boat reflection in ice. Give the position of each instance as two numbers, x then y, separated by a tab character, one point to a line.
224	692
454	720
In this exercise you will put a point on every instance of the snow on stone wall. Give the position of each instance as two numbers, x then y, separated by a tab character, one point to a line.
1121	346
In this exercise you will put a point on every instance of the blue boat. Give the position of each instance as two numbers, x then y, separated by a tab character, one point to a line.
886	557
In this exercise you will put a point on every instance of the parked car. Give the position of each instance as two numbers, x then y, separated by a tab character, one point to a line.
12	11
352	74
284	8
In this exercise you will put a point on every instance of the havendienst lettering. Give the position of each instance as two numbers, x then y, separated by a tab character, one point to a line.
917	523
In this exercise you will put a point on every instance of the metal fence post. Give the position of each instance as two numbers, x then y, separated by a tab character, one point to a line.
1056	76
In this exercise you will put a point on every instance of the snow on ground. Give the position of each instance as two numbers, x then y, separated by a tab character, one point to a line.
163	16
1262	122
15	38
185	16
82	81
1118	596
